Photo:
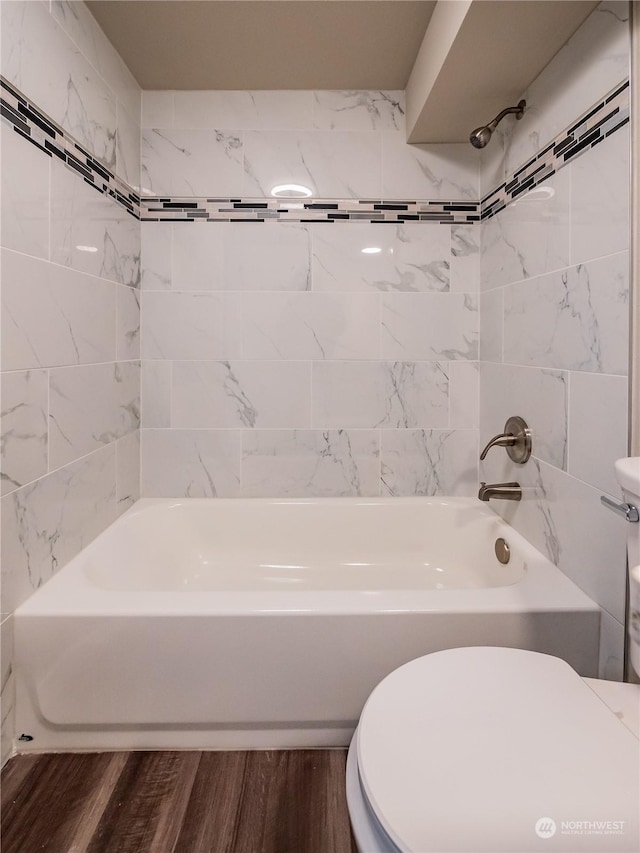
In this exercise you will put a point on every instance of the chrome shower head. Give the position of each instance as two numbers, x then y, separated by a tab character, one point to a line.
481	135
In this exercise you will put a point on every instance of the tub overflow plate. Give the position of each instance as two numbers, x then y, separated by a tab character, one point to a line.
503	552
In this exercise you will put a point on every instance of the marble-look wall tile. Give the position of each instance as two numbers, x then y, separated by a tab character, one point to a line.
591	63
600	199
190	463
429	326
429	462
612	636
597	427
191	162
244	110
203	326
71	91
52	315
80	25
127	470
7	689
491	322
411	257
128	324
155	254
91	232
434	171
48	522
155	393
540	396
90	406
529	237
576	319
342	164
24	399
563	518
310	463
465	258
224	394
379	395
24	193
464	390
310	325
157	108
128	147
267	256
359	110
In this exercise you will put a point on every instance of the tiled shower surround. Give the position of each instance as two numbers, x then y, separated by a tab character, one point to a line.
70	265
280	359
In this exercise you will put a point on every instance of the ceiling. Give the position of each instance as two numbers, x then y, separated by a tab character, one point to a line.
266	44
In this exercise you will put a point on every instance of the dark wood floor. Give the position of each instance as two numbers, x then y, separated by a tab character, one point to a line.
177	802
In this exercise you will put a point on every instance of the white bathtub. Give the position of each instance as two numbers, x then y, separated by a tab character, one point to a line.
267	623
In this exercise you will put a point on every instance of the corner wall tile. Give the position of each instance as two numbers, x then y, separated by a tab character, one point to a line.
155	393
155	255
434	171
91	232
612	638
90	406
48	522
157	108
465	258
600	200
529	237
202	326
127	470
190	463
576	319
597	428
7	690
540	396
191	162
128	324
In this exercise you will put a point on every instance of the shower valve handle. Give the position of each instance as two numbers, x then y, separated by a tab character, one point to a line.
516	438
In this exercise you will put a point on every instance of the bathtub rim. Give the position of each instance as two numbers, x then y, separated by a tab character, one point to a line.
544	586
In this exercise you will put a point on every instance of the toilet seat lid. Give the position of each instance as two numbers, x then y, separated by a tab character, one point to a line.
472	749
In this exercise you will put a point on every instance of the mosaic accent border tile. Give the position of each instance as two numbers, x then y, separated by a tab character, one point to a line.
35	126
318	210
589	130
603	119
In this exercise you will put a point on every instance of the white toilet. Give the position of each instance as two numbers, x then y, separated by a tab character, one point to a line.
493	749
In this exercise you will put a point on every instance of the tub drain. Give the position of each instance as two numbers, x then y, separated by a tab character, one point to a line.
503	552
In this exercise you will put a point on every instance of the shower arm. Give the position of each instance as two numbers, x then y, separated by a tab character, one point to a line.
517	111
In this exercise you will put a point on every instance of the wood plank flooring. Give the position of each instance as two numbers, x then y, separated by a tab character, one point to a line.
176	802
